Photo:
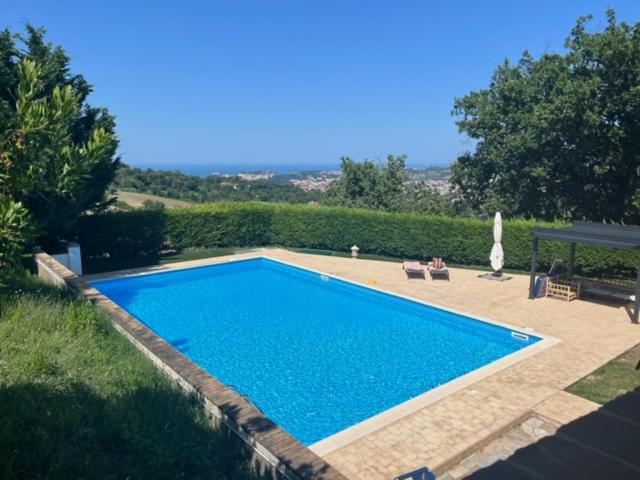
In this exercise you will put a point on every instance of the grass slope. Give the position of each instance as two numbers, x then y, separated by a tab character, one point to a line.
79	401
136	199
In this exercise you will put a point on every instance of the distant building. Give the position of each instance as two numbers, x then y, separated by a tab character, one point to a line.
252	177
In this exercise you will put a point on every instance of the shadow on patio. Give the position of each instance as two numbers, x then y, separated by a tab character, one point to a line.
603	444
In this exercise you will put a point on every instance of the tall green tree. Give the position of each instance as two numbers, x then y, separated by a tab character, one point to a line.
422	198
558	136
57	152
384	187
365	185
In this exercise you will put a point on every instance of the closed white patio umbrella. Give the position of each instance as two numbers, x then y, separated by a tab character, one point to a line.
497	255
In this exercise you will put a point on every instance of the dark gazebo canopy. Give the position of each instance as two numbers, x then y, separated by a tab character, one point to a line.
614	236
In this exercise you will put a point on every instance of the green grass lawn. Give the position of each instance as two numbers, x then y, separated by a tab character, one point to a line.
77	400
617	377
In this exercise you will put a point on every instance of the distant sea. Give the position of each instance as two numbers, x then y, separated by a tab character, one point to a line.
203	170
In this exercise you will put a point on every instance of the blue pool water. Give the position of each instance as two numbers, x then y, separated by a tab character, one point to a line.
315	354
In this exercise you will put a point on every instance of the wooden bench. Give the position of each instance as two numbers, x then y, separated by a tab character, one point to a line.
618	289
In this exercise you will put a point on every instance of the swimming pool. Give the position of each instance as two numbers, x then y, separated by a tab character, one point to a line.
315	353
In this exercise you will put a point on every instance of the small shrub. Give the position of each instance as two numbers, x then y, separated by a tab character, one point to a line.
153	205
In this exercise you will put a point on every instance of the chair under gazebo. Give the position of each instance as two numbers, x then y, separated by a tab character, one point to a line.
600	234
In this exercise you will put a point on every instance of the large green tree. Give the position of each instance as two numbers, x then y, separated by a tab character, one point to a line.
558	136
57	153
384	187
366	185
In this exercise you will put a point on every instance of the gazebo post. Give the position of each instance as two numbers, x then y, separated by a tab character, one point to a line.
534	264
572	258
636	307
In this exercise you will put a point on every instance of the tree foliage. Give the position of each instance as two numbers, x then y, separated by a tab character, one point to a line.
15	231
558	136
367	185
57	153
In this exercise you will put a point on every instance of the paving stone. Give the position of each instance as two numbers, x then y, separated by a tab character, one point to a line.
502	471
448	476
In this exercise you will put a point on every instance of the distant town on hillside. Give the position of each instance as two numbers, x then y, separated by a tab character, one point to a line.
255	184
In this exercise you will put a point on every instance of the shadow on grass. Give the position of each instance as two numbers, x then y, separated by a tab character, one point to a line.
100	265
70	432
104	264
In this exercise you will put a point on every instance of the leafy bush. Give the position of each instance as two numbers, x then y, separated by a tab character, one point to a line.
58	152
15	231
463	241
153	205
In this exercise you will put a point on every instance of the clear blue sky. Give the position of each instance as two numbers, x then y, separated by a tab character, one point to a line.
301	81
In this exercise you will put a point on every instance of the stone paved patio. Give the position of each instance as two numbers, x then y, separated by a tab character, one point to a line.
444	433
547	417
503	447
602	443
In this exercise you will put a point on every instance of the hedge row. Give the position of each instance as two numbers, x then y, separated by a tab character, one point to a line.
121	234
463	241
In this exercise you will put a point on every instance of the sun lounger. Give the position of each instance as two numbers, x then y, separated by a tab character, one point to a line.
413	269
438	269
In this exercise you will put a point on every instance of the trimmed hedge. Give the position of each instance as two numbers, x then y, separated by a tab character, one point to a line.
121	234
220	225
463	241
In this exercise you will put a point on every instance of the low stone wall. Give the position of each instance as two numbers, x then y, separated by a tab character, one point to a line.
272	447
